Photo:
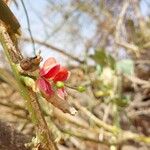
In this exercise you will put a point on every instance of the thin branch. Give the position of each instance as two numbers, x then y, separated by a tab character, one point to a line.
120	20
133	114
28	24
99	122
7	77
119	25
14	106
55	49
128	46
69	118
136	80
118	40
83	134
119	133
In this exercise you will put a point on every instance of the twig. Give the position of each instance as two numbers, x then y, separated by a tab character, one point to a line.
142	62
120	19
118	40
28	24
55	49
99	122
69	118
106	114
14	106
82	133
133	114
139	104
138	81
119	133
128	46
119	25
7	77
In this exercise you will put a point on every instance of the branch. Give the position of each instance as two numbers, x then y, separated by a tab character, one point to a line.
61	51
28	95
84	134
7	77
120	20
100	123
118	40
128	46
119	133
139	81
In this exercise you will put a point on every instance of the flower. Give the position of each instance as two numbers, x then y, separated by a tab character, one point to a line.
50	75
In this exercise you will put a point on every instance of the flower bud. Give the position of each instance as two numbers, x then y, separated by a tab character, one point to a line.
59	84
81	88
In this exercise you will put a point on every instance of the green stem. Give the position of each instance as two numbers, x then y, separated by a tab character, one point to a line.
28	95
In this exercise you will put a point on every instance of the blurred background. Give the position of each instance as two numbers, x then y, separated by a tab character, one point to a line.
106	46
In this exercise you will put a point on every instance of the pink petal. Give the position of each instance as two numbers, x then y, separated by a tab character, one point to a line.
51	72
61	93
49	62
50	68
44	86
62	75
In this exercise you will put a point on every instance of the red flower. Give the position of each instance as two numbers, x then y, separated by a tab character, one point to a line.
44	86
49	75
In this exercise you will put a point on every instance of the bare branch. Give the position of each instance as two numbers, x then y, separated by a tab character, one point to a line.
55	49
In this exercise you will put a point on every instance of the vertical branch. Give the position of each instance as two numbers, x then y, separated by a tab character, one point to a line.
28	95
29	28
119	22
